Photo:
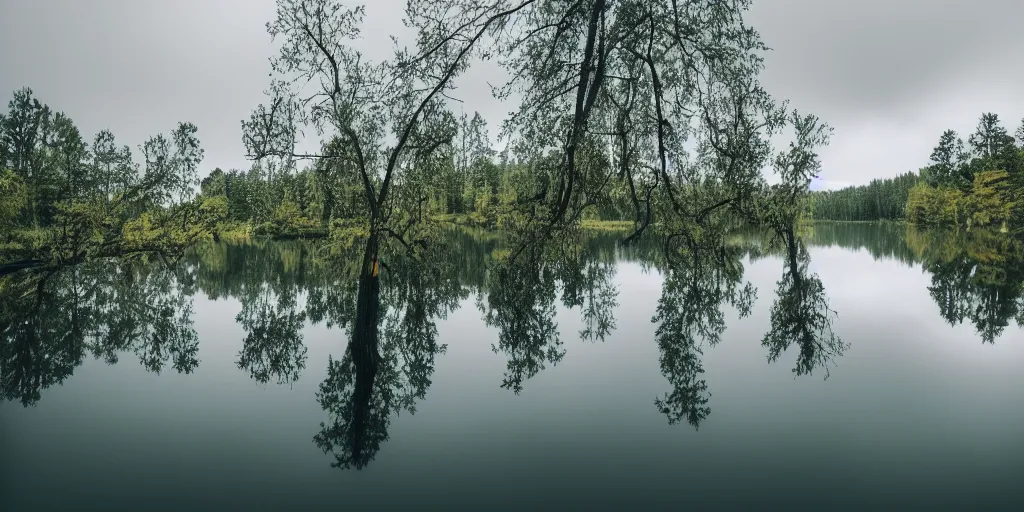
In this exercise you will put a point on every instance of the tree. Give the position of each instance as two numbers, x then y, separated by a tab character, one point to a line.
671	87
70	157
14	194
156	153
881	199
989	138
214	184
362	104
112	165
994	148
995	170
22	133
171	164
73	204
187	156
992	199
801	311
947	159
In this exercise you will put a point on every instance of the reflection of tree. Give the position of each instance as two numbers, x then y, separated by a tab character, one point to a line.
978	276
50	320
801	314
148	312
273	346
388	371
268	278
975	276
700	279
520	302
587	284
881	240
36	349
359	412
950	282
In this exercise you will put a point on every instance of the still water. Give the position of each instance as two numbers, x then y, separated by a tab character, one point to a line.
218	385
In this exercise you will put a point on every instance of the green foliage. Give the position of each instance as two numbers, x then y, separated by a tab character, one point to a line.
990	175
85	202
993	200
948	158
287	221
171	231
930	206
15	197
78	232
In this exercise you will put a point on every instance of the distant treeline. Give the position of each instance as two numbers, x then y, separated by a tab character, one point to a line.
882	199
973	184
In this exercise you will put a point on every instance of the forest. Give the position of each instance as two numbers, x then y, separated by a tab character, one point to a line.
881	199
977	184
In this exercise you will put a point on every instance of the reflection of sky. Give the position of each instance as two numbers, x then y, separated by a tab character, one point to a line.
916	409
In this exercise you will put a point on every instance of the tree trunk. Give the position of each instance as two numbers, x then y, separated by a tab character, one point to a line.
364	347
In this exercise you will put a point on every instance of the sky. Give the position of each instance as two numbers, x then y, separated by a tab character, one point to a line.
888	75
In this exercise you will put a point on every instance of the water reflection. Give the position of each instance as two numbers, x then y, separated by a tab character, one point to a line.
519	295
698	283
273	347
384	375
975	276
801	314
50	322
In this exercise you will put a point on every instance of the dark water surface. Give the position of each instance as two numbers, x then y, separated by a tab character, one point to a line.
135	387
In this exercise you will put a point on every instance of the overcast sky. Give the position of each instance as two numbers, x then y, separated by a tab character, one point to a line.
888	75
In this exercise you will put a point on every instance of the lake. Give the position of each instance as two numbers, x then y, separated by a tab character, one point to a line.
223	384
